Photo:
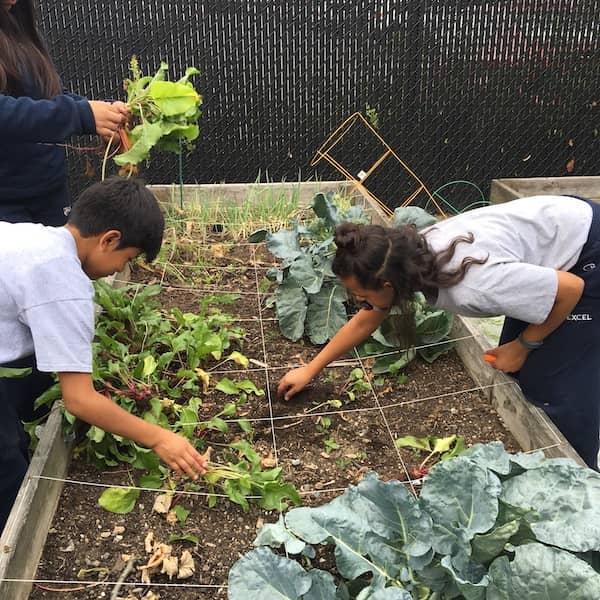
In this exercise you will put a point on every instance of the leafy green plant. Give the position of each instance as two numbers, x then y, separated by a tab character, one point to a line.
487	525
432	327
244	476
164	113
309	300
357	384
151	363
444	447
324	427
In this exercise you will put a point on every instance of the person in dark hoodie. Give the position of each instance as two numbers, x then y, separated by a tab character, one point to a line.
36	116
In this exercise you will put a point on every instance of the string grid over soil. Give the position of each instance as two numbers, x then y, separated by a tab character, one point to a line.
86	542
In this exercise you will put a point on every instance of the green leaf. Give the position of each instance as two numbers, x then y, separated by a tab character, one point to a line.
229	409
284	243
433	326
258	236
173	98
325	209
291	308
470	503
566	498
119	500
323	586
188	73
410	441
140	150
228	387
488	546
245	426
248	386
95	434
181	513
260	574
469	577
441	445
235	494
539	572
326	313
188	419
276	535
412	215
274	494
432	353
10	373
149	366
218	424
393	363
52	394
303	272
152	481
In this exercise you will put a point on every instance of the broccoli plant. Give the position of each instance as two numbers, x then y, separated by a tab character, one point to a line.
487	525
309	300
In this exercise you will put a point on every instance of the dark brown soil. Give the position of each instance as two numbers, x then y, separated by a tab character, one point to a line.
437	399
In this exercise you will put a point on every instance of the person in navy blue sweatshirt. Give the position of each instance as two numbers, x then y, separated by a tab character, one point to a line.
36	115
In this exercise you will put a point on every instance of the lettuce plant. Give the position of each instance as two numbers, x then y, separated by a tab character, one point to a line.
487	525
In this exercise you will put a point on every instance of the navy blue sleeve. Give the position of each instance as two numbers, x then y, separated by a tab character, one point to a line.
24	119
73	95
78	97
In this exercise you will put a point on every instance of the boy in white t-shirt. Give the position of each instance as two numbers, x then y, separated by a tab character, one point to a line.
47	320
535	260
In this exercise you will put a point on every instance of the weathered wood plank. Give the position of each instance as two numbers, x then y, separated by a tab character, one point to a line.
502	190
238	193
24	535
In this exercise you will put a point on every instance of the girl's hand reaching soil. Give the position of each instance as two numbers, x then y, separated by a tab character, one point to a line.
175	451
294	381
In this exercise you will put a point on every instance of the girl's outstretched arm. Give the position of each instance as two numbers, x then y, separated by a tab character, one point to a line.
356	330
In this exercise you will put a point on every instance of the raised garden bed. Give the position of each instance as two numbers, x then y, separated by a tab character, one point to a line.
503	190
321	447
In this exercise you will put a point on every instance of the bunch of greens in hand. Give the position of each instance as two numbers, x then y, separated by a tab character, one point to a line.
164	113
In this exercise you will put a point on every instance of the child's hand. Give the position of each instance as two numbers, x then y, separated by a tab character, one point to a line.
174	450
510	357
293	381
108	116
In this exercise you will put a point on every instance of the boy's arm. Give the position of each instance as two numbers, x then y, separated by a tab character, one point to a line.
83	401
356	330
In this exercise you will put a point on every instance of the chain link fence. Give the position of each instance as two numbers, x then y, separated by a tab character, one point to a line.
461	90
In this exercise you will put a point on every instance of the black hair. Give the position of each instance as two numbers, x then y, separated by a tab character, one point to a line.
401	256
23	54
125	205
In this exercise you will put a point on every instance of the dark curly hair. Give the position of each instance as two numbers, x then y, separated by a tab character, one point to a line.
401	256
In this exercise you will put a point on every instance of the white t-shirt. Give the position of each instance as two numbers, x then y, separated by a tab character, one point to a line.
526	241
46	299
